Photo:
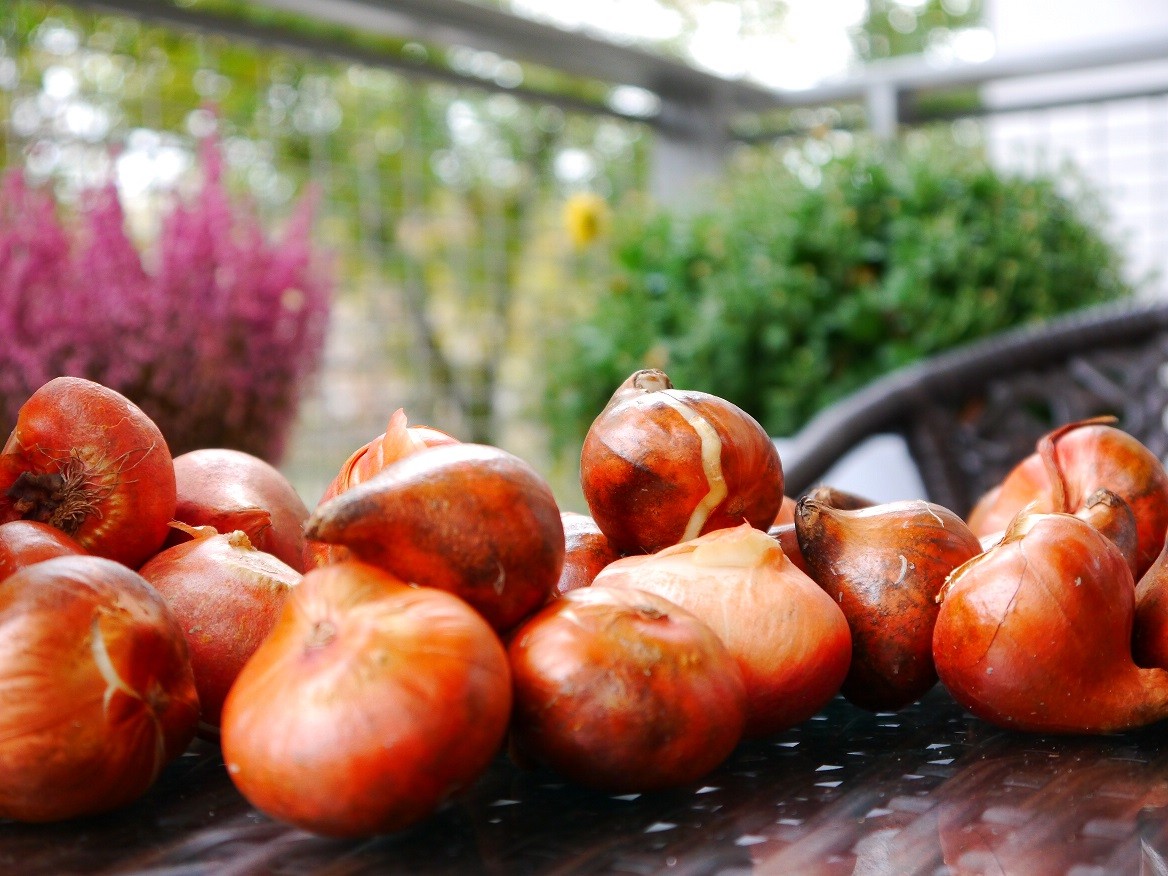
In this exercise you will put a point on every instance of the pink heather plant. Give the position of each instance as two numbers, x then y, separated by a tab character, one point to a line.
215	344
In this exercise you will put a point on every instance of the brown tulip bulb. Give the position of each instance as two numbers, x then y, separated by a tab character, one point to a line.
586	552
661	466
24	542
96	685
1150	632
227	596
841	500
1035	634
1112	516
623	690
884	565
370	705
1068	466
466	518
231	490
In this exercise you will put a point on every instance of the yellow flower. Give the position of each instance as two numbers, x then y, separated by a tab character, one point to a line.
585	217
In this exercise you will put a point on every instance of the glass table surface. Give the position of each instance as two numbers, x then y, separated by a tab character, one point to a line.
926	790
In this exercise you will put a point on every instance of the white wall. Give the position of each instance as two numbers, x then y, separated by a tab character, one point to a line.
1120	145
1029	23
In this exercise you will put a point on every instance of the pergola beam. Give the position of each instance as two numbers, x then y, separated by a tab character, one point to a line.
461	23
686	93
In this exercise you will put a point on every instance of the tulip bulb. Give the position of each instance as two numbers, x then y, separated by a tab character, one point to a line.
884	565
1036	633
660	466
791	640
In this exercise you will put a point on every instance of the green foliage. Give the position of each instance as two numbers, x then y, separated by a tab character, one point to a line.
804	281
932	28
430	193
891	28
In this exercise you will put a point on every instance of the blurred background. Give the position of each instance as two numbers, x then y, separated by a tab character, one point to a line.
274	223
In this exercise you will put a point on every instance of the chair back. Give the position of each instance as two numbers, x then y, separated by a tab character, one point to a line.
969	415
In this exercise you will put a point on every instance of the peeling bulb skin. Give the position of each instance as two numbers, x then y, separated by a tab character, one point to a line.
788	540
711	462
398	441
1112	516
885	566
1069	465
105	667
650	380
661	465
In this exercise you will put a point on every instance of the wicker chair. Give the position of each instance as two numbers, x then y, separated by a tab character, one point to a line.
969	415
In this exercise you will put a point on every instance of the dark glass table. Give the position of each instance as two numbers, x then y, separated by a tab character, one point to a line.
927	790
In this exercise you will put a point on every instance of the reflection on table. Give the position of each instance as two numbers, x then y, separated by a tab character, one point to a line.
927	790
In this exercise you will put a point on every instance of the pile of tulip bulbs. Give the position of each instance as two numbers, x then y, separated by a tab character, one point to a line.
363	662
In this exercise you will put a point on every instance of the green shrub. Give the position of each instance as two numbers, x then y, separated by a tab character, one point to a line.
803	281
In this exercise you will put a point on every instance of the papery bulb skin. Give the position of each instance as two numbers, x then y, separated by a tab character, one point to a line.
884	565
1070	464
1035	634
96	689
398	441
88	461
586	552
660	466
791	640
24	542
623	691
467	518
231	490
227	595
